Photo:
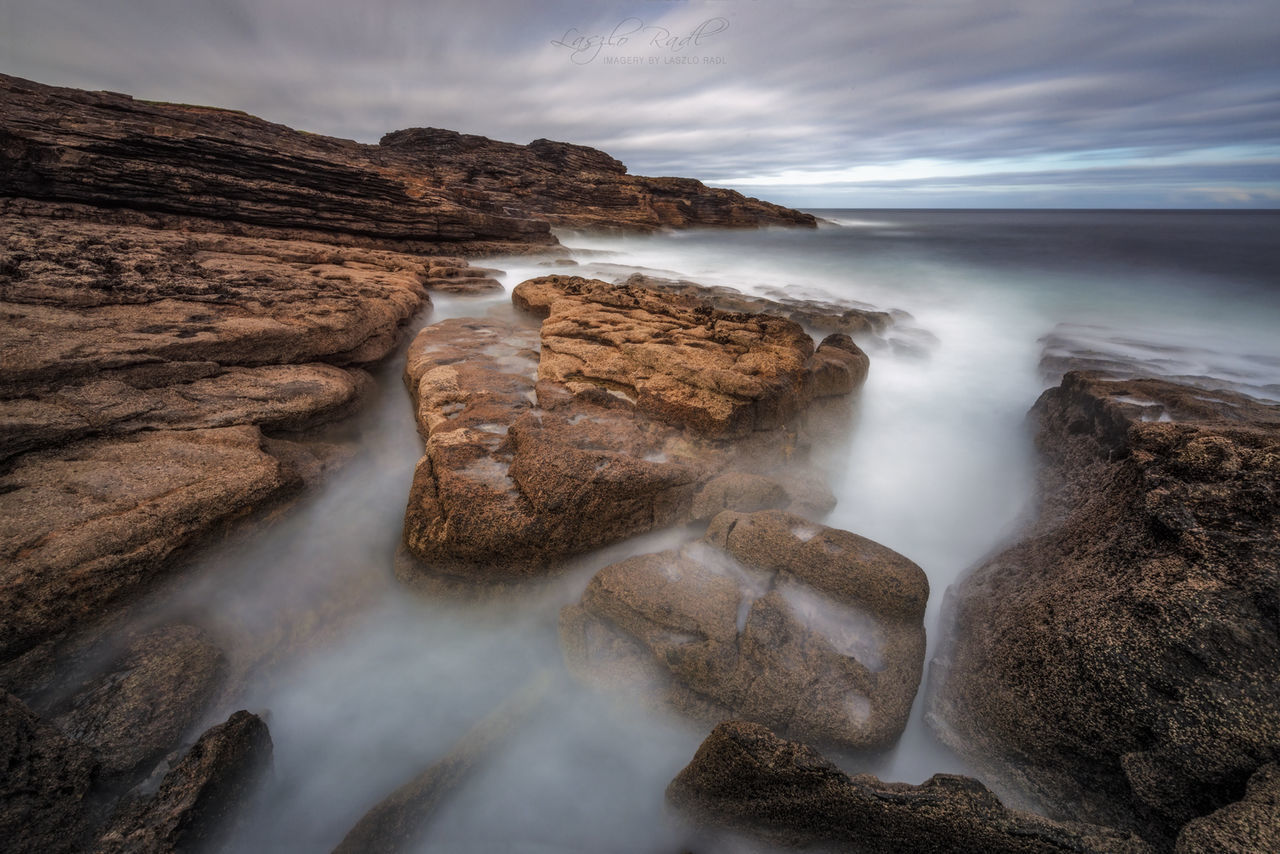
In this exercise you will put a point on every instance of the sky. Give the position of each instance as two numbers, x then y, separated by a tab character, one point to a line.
810	103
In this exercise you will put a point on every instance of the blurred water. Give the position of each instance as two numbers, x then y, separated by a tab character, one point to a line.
368	684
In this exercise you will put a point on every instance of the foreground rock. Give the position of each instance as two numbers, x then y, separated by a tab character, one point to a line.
1123	661
199	798
1248	825
45	787
139	709
811	630
745	778
609	421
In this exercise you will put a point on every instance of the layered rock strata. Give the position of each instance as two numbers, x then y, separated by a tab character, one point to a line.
422	190
153	386
747	779
1122	662
609	421
810	630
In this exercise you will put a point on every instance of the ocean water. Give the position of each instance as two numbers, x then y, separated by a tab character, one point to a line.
370	684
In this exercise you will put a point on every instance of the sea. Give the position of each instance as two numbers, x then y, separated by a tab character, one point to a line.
365	684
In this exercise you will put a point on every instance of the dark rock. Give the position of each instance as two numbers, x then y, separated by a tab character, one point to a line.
746	778
45	784
1249	825
200	797
811	630
138	710
1122	663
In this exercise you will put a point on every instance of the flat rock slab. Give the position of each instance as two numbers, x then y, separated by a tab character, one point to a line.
1123	660
86	525
747	779
811	630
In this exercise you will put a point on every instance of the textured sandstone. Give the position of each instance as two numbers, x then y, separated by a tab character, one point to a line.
1123	661
611	420
745	778
1249	825
810	630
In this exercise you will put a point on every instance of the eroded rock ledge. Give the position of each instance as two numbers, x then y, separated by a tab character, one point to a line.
610	420
1123	661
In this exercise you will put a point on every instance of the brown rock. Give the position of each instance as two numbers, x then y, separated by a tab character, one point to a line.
746	778
679	361
45	786
1249	825
86	526
1123	661
199	798
138	710
811	630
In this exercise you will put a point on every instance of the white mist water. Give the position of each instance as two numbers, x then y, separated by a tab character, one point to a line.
367	684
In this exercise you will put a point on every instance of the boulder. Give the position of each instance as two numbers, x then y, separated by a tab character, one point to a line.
747	779
137	711
199	798
45	787
807	629
1122	662
1248	825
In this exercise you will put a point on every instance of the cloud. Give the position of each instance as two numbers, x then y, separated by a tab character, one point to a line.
839	93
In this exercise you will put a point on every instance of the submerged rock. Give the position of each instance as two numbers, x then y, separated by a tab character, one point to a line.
745	778
45	784
395	823
1123	661
199	798
811	630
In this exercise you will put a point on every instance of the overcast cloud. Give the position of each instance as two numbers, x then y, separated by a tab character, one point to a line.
862	104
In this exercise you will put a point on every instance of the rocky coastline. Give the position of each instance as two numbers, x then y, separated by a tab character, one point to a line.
193	295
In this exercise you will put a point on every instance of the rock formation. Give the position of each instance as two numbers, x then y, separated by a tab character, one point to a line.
1123	661
199	798
811	630
745	778
607	422
420	190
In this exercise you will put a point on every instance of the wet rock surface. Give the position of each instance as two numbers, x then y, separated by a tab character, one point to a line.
1121	661
541	445
746	778
811	630
199	798
45	787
